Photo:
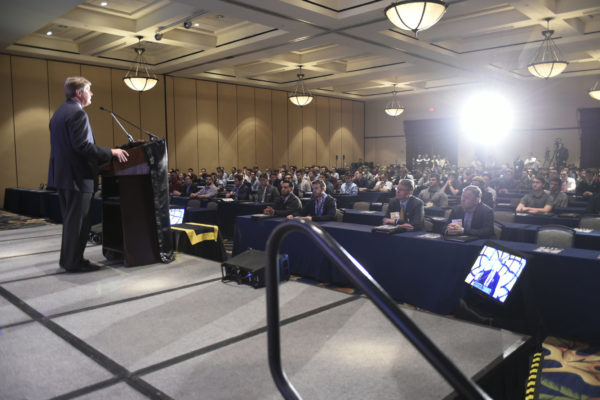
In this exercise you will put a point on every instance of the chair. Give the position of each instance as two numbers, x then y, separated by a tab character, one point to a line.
428	224
339	215
498	228
211	205
384	207
194	203
447	212
590	222
555	236
504	216
362	205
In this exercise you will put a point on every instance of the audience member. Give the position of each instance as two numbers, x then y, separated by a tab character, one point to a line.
286	204
266	192
433	195
558	199
320	207
405	209
472	217
589	185
209	190
537	201
349	187
241	189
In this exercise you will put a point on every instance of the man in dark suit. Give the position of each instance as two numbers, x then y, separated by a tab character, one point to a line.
321	206
405	210
266	193
288	203
472	217
73	170
187	188
241	190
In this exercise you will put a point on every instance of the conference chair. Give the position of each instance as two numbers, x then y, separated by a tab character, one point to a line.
428	224
194	203
555	236
362	205
498	228
384	207
339	215
504	216
590	222
211	205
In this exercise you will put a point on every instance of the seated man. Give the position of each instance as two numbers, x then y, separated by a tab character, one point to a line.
241	190
568	184
349	187
209	191
476	218
558	199
433	195
589	184
537	201
286	204
266	193
360	181
187	189
486	196
320	207
383	184
405	209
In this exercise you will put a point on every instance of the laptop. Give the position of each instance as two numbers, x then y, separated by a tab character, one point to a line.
176	215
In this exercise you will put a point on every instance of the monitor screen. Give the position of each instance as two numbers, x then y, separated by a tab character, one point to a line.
176	215
496	270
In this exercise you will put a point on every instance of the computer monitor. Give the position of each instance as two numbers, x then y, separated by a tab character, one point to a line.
176	215
496	270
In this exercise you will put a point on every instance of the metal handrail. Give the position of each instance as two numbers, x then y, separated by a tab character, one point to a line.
364	282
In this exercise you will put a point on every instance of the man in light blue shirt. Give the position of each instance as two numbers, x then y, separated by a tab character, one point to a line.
349	187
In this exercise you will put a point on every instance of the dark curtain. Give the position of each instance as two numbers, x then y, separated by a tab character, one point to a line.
432	136
589	122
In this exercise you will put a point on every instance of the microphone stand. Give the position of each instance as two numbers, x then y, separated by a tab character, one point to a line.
116	118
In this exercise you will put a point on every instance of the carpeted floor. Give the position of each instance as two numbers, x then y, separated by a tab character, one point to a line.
9	220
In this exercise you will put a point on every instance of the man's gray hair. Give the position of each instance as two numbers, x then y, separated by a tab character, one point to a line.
407	183
475	190
74	83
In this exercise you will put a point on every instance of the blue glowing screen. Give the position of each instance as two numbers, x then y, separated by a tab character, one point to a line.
176	215
495	272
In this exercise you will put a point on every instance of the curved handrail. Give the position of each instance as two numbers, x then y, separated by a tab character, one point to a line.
363	281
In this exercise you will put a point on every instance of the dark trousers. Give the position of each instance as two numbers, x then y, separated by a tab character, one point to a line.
75	208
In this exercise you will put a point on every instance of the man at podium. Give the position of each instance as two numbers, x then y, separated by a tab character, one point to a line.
73	170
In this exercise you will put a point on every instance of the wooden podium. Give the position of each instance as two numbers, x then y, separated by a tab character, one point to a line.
129	222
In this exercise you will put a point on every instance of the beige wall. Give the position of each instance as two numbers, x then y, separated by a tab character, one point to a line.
544	111
206	123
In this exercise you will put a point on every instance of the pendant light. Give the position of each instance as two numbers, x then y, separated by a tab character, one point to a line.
548	61
594	92
415	15
138	78
301	97
393	108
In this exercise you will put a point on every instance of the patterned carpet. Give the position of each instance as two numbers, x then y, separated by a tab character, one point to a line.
10	220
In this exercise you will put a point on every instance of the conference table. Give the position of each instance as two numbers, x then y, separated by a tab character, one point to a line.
426	271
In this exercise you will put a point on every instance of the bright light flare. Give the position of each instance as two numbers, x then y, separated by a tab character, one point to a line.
487	117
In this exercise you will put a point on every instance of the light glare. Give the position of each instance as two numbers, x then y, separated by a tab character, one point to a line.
487	118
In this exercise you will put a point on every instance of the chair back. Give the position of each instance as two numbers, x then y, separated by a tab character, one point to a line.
498	228
212	205
428	224
384	207
555	236
339	216
590	222
504	216
362	205
194	203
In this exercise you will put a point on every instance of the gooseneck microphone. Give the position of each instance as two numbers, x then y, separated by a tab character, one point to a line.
131	140
117	117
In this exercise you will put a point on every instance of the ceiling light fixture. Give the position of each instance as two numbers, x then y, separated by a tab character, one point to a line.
49	33
196	25
594	92
548	61
187	24
301	96
158	36
133	79
415	15
393	108
104	4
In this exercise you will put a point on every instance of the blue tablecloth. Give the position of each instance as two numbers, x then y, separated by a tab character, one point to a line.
533	219
228	210
201	215
429	273
526	233
374	197
372	218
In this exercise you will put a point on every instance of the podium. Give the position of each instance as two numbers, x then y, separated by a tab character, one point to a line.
135	206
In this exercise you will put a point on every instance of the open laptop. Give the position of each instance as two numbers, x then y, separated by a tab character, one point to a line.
176	215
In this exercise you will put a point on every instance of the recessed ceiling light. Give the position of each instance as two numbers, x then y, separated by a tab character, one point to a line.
219	16
104	3
196	25
49	33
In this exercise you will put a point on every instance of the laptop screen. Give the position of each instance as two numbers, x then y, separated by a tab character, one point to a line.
176	215
496	270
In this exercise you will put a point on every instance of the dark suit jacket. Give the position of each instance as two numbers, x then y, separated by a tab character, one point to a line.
482	224
186	192
243	191
414	213
292	205
271	195
74	155
329	210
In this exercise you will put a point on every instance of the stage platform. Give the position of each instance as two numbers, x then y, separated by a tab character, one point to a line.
176	331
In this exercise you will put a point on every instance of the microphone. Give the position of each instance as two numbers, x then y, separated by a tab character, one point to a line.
150	134
131	140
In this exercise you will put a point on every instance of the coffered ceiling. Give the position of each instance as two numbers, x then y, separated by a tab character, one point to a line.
347	48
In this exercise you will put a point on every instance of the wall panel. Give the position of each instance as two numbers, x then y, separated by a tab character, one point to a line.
152	106
126	103
246	129
309	134
208	131
335	131
186	132
31	106
279	104
227	111
348	142
358	130
8	163
295	134
171	138
101	121
385	151
322	134
57	73
264	128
